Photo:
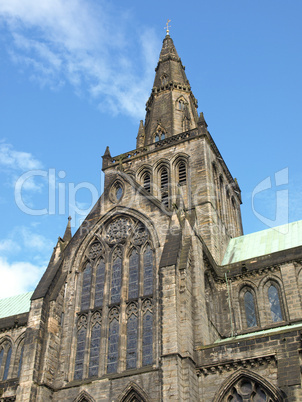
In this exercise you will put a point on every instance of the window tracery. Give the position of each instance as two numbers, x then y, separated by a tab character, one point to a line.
250	310
110	268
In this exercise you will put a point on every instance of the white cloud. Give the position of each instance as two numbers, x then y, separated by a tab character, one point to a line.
18	277
84	43
17	160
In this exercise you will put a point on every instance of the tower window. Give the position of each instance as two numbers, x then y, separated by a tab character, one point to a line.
147	182
164	178
164	80
181	104
182	173
156	137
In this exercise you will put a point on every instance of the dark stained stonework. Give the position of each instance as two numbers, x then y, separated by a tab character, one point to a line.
137	306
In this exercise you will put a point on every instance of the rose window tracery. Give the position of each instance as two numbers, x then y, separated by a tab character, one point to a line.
118	231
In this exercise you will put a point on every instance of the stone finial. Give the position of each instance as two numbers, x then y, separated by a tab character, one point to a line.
140	139
201	120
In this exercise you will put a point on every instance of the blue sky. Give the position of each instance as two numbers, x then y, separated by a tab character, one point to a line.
75	77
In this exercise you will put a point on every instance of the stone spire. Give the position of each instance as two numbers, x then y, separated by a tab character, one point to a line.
67	235
172	107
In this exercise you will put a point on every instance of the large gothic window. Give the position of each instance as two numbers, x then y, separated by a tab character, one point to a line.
116	278
274	301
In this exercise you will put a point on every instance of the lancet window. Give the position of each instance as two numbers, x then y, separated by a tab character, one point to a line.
147	182
250	310
275	305
5	359
164	183
182	173
119	271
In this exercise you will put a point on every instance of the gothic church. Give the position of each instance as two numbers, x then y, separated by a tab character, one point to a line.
158	296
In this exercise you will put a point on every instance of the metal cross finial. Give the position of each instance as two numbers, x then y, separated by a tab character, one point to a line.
168	26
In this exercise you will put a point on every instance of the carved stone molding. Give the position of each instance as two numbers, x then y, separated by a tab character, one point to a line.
236	364
118	231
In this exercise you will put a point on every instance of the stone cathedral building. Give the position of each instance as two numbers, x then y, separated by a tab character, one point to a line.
158	296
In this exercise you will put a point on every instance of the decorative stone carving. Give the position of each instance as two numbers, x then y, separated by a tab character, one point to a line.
82	321
147	305
118	231
117	253
131	309
114	314
140	235
96	318
95	250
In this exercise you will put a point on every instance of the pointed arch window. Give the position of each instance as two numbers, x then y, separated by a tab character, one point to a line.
164	182
275	306
7	363
147	182
133	275
157	137
182	173
250	310
181	104
99	284
86	287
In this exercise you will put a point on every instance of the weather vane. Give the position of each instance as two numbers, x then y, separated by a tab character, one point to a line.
168	26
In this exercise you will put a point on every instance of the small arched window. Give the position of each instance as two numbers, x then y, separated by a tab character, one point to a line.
156	137
147	182
274	301
181	104
7	363
250	310
182	173
164	80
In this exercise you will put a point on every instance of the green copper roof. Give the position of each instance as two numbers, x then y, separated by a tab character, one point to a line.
264	242
15	305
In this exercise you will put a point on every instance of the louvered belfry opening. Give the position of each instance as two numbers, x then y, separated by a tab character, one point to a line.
147	182
164	181
182	173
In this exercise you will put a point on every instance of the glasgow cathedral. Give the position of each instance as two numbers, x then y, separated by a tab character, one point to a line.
159	296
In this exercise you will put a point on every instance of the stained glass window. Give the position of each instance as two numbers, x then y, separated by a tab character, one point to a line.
133	274
20	361
116	280
7	363
250	312
131	341
99	284
113	346
274	301
85	301
79	360
148	271
95	343
147	338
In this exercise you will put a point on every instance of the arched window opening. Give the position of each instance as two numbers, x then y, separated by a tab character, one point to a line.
247	389
7	363
157	137
116	279
113	342
164	80
164	178
181	104
148	271
133	275
147	338
274	301
20	361
1	356
163	136
182	173
132	336
147	182
95	344
85	300
250	311
99	284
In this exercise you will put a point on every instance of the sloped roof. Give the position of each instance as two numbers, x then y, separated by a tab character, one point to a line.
15	305
265	242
